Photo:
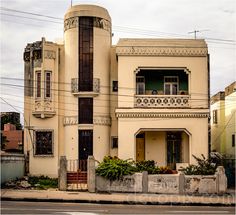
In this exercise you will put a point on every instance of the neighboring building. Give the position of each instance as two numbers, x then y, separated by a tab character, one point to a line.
14	138
10	117
223	121
141	99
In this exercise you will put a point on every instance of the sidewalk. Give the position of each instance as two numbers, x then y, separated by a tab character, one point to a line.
118	198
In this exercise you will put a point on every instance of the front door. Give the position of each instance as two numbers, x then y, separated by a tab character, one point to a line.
140	145
173	149
85	147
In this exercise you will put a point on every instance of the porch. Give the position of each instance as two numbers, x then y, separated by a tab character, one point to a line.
166	148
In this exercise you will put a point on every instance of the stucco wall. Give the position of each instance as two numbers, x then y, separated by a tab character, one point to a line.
197	128
155	147
12	167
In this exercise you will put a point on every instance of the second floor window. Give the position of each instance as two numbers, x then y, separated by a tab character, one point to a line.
85	111
171	85
140	85
47	84
38	84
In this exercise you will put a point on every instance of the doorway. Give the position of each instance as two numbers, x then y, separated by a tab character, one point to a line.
173	149
140	147
85	147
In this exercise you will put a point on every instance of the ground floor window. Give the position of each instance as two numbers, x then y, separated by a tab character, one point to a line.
44	142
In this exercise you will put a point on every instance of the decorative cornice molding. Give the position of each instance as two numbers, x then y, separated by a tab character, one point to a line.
73	22
161	51
162	115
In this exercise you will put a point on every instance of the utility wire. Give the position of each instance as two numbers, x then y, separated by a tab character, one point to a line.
127	29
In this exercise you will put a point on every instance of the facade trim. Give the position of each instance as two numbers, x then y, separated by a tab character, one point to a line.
73	22
161	51
162	115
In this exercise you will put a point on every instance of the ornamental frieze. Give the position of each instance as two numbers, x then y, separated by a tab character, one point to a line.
162	115
161	51
48	54
97	120
73	22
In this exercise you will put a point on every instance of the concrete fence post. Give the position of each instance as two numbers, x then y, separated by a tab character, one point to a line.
62	174
181	183
91	174
221	180
145	182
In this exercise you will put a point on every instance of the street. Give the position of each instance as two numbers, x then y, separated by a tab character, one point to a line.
20	207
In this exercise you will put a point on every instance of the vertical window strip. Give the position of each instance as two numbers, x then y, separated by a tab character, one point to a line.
48	84
38	82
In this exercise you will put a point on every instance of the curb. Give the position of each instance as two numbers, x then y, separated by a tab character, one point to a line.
117	202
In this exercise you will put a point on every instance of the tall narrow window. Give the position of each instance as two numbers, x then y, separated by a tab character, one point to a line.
38	84
48	84
214	116
140	85
85	111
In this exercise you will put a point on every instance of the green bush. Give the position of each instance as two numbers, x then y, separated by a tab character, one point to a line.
204	166
113	168
147	165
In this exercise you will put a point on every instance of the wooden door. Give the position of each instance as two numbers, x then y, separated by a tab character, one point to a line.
140	149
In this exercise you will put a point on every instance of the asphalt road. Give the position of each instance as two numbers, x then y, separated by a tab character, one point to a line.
15	207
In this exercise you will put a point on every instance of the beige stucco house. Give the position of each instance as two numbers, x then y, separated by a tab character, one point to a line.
140	99
223	121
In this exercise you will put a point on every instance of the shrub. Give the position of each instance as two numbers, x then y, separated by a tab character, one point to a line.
204	166
147	165
113	168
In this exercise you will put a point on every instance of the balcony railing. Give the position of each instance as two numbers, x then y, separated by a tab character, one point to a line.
76	89
43	108
162	101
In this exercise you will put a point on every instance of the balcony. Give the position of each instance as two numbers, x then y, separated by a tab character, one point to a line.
84	90
43	108
162	101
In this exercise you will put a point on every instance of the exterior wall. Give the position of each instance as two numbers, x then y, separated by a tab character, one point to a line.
222	132
230	120
101	69
129	127
40	119
113	100
155	147
14	137
198	74
12	167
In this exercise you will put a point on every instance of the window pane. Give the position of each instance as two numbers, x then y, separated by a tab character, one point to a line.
43	142
174	89
48	85
167	89
38	87
115	86
85	111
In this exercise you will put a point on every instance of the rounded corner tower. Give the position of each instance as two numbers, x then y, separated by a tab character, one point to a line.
87	45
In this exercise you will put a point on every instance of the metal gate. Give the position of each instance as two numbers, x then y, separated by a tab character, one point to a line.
77	175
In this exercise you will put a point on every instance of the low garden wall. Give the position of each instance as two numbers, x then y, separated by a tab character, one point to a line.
130	183
165	183
154	183
12	167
